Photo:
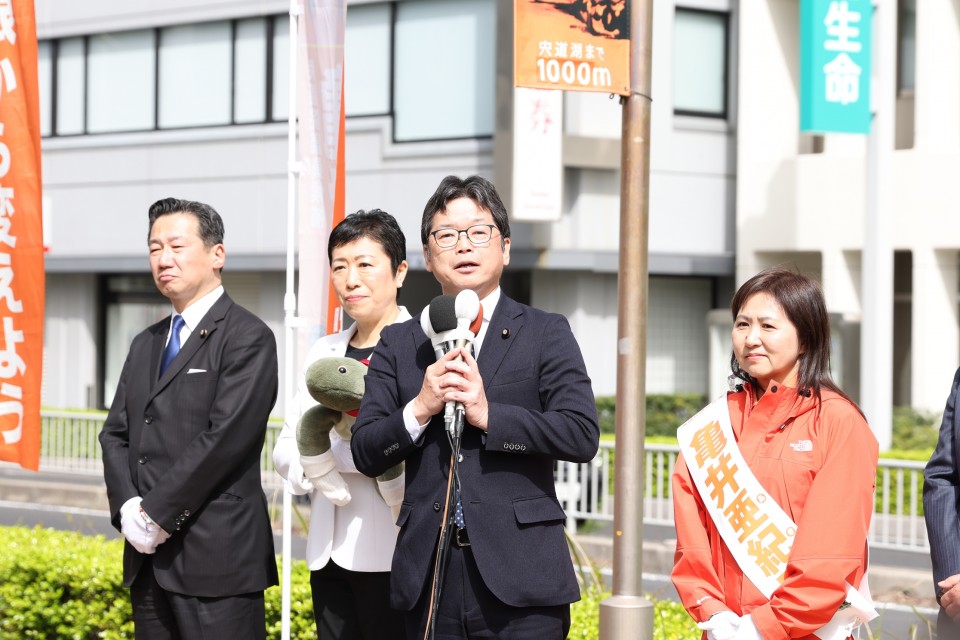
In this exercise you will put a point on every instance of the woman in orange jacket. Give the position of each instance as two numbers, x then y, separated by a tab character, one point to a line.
812	452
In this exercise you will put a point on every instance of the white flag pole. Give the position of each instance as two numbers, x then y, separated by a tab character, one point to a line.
290	305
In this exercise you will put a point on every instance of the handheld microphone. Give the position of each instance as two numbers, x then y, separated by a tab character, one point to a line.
452	322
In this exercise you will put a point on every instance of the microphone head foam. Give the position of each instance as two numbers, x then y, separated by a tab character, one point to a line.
468	308
440	316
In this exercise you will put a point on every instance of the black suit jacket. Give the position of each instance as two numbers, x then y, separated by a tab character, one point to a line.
189	443
941	500
541	409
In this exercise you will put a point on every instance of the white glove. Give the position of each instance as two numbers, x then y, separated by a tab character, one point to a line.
392	492
748	630
297	483
721	626
321	471
139	530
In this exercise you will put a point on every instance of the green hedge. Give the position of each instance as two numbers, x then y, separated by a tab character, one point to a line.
664	412
670	619
60	584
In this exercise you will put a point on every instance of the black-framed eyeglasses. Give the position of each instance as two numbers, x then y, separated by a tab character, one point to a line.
478	234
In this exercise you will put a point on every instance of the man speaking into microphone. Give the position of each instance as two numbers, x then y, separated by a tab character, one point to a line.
527	401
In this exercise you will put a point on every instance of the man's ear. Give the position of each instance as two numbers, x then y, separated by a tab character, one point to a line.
426	259
218	255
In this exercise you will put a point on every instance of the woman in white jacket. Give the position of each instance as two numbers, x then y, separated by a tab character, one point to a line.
350	546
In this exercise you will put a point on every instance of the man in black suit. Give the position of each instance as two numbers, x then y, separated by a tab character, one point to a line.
528	402
182	442
941	509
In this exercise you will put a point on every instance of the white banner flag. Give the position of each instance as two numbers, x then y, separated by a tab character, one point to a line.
321	121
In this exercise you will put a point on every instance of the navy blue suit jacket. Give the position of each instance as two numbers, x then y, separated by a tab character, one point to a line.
542	409
941	493
189	443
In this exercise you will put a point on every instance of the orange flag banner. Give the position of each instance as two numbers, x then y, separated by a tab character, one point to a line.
21	237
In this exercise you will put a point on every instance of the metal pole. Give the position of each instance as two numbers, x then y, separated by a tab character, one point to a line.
290	310
627	614
876	339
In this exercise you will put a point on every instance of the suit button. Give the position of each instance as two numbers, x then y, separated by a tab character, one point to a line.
436	506
186	513
148	419
142	460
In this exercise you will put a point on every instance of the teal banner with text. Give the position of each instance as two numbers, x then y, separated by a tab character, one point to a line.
835	58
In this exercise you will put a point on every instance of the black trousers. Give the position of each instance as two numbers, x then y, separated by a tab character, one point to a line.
947	629
353	605
469	610
163	615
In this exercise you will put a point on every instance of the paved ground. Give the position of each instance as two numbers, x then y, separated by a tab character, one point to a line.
900	582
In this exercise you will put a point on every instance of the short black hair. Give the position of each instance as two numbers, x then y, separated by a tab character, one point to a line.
209	222
478	189
379	226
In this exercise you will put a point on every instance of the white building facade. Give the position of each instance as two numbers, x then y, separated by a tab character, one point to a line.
801	199
144	100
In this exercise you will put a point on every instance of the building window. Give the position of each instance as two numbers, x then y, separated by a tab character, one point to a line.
250	71
368	44
195	75
398	57
280	70
907	46
444	69
700	41
132	303
121	81
69	103
45	80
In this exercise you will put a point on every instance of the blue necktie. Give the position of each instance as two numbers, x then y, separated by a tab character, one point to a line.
458	512
173	346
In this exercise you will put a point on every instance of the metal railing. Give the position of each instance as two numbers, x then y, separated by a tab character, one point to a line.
69	445
586	491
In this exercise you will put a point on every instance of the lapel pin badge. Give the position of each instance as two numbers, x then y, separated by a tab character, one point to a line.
505	333
203	333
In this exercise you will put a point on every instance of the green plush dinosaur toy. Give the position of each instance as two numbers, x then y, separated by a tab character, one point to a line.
337	384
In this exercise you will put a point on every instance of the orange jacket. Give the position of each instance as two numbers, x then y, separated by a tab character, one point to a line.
825	485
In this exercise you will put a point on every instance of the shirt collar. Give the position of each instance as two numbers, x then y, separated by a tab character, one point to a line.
490	303
194	313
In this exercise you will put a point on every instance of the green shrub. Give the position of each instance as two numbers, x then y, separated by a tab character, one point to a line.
59	584
664	412
302	626
585	616
914	430
672	622
670	619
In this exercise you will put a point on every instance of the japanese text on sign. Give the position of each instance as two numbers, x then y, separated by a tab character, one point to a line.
12	365
842	74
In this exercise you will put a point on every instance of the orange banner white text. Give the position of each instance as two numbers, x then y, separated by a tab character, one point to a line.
21	237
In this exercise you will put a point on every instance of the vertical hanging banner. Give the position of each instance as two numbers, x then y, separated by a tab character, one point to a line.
835	54
577	45
537	194
321	146
21	237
